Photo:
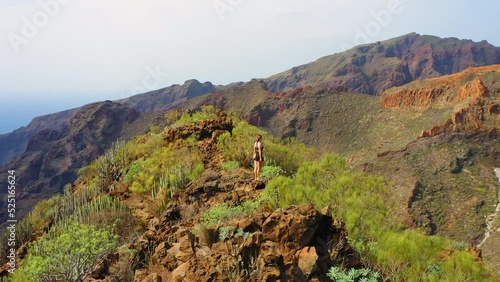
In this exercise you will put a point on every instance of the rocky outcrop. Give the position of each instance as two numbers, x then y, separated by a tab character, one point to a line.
470	94
444	91
203	129
481	116
294	244
373	68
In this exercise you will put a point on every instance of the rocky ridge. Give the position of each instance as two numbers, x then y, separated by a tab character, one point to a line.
374	68
169	97
294	244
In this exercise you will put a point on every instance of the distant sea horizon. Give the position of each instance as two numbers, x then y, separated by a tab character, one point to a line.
16	113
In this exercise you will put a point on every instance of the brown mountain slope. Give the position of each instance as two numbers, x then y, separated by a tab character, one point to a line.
167	98
445	184
446	179
355	125
14	144
373	68
448	90
368	69
52	157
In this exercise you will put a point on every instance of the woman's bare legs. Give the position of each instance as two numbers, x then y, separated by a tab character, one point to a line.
255	164
256	170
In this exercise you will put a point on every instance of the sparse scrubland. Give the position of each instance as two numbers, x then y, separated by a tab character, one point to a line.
97	222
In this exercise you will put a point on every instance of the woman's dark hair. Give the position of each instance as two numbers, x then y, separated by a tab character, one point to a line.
259	137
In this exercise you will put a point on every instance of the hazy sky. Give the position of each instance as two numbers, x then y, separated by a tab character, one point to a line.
58	54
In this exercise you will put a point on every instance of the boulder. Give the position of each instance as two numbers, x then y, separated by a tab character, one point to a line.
179	273
293	228
307	258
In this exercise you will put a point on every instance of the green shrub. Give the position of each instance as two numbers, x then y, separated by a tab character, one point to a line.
45	212
353	275
177	164
289	154
86	173
222	212
110	166
238	146
230	165
360	202
206	112
133	171
269	172
71	256
357	199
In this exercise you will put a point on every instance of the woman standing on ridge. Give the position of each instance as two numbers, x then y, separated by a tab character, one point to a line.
257	156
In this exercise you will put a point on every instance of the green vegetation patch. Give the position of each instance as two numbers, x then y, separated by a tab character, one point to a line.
360	201
223	213
71	256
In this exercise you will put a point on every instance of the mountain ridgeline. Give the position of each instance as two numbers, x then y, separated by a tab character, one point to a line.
14	144
373	68
366	69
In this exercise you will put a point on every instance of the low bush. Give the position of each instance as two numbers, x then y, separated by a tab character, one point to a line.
269	172
353	275
177	164
230	165
206	112
71	256
45	212
223	213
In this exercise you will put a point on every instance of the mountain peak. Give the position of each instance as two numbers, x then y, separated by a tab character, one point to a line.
373	68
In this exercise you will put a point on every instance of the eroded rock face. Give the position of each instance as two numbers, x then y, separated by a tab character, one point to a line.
478	117
473	101
292	229
441	92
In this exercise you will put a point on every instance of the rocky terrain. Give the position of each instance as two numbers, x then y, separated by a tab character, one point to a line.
298	243
393	134
473	94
